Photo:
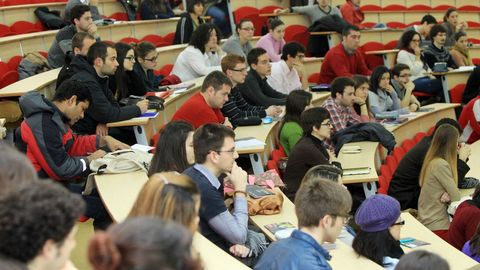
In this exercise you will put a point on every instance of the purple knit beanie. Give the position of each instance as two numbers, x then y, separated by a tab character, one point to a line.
377	213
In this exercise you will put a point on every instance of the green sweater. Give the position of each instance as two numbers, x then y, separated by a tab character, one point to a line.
289	135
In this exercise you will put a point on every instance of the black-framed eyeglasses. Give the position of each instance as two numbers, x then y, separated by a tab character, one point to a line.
400	223
131	58
240	70
346	218
153	59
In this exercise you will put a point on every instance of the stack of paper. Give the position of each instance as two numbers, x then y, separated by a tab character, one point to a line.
250	143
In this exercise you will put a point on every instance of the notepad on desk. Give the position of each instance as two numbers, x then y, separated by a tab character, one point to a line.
152	114
242	144
356	171
351	149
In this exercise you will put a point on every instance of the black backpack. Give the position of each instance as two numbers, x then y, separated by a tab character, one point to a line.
130	8
50	18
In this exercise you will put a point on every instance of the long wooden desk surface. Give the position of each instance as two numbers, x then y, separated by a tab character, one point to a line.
37	82
366	158
119	192
422	121
413	228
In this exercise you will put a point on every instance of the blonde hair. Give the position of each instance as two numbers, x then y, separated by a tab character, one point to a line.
171	196
444	146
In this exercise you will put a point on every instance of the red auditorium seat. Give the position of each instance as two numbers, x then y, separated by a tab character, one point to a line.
129	40
384	179
164	71
391	163
43	53
382	184
391	45
17	2
368	24
298	33
14	62
420	7
442	7
474	40
272	165
456	93
396	25
243	12
370	8
5	31
408	144
372	61
169	38
7	76
23	27
419	136
394	7
398	153
476	61
473	24
119	16
314	78
156	40
469	8
268	9
414	23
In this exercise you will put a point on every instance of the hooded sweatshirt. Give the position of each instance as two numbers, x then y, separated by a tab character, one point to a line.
50	145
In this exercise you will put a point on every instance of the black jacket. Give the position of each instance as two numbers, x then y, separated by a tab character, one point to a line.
236	108
404	185
472	88
364	132
258	92
134	85
185	29
103	108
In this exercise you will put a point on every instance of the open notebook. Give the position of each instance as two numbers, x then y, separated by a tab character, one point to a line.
356	171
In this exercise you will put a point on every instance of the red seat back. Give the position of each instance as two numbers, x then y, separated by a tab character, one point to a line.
370	8
384	179
408	144
395	7
129	40
119	16
469	8
14	62
396	25
372	61
169	38
272	165
23	27
8	78
314	78
419	136
292	31
442	7
398	153
243	12
164	71
156	40
420	7
456	93
5	30
268	9
391	45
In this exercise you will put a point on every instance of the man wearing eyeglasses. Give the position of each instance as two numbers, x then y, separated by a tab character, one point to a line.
286	73
236	108
404	86
215	154
239	44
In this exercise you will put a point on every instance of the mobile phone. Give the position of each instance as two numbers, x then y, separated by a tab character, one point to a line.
406	240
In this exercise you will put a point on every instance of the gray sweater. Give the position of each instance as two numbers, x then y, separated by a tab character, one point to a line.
314	12
61	45
232	46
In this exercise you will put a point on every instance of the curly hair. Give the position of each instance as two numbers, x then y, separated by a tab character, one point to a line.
31	215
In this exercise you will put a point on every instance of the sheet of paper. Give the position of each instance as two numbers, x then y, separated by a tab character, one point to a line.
141	147
248	143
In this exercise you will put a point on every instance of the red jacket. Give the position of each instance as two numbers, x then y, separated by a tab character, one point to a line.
338	63
197	112
470	121
352	14
50	145
464	224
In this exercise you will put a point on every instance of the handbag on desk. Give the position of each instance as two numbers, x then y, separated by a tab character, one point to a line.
154	102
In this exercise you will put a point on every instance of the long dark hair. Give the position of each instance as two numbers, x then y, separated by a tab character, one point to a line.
201	36
377	245
296	102
376	77
171	154
360	80
406	38
475	197
121	79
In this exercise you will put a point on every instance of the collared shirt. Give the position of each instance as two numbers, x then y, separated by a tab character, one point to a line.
208	174
283	79
299	251
340	116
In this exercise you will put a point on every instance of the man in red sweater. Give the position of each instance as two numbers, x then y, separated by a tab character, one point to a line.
204	106
344	60
352	13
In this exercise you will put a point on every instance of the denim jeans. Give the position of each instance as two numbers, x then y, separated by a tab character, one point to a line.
428	85
95	207
219	13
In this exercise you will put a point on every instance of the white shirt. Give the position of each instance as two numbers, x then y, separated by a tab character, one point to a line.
283	79
192	64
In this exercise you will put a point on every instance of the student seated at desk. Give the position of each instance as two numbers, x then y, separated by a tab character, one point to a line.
273	42
404	86
174	149
439	180
469	120
314	12
143	243
81	43
360	100
380	223
155	9
422	260
126	82
352	13
459	51
81	19
437	52
472	247
93	73
54	150
215	155
309	150
289	73
426	24
204	106
382	97
145	62
465	221
237	108
38	225
411	55
405	186
453	25
322	209
202	56
290	130
239	43
90	3
189	21
256	90
344	60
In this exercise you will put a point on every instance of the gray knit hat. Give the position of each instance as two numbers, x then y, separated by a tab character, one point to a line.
377	213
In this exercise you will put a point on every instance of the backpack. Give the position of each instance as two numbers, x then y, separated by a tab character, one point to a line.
50	18
130	9
31	64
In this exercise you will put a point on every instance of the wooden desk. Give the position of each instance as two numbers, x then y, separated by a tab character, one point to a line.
43	82
312	64
413	228
343	256
366	158
119	192
422	121
452	78
389	56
